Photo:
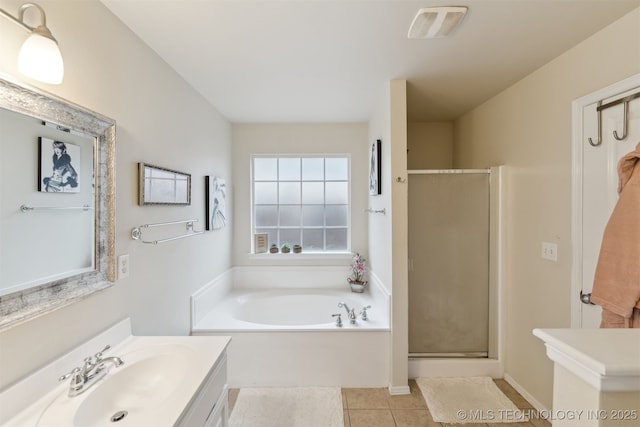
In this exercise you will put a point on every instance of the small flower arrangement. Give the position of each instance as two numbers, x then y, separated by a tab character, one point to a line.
358	268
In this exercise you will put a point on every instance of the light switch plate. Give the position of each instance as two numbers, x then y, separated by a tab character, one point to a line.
123	266
550	251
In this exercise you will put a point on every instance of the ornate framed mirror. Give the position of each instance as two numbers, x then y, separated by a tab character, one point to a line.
96	177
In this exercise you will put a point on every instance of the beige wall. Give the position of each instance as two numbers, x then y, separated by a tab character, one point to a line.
528	128
429	145
337	138
400	254
388	233
160	120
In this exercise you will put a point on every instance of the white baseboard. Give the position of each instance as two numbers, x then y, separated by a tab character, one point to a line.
398	390
524	393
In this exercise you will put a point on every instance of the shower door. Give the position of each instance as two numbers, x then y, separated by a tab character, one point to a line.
449	263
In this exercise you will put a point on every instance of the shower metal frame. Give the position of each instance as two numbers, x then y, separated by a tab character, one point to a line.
496	313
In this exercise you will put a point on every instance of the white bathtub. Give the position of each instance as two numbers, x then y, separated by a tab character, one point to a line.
292	310
287	337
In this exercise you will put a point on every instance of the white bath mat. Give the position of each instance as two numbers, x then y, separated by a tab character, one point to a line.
468	400
288	407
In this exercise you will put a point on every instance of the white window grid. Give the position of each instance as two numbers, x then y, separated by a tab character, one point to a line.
277	228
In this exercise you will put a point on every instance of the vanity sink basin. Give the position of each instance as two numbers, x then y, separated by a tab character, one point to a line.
127	395
131	391
164	381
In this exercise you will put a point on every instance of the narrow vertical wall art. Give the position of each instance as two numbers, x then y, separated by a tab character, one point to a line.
215	202
375	177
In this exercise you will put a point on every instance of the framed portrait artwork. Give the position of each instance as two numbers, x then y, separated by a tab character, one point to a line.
58	166
375	178
215	202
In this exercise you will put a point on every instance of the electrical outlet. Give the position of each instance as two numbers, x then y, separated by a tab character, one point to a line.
123	266
550	251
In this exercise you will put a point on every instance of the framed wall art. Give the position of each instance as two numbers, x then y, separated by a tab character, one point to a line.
375	177
261	243
162	186
58	166
215	202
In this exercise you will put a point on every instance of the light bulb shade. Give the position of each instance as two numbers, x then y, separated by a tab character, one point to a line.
40	59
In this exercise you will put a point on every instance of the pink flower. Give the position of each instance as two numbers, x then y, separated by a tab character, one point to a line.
358	267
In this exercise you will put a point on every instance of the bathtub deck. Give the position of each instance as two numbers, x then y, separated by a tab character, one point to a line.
223	318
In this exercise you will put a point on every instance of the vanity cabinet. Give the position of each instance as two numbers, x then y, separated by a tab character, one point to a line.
596	381
210	406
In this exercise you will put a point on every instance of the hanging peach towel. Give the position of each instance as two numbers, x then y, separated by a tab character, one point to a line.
616	284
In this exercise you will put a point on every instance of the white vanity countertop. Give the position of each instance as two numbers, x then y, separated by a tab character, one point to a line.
170	370
607	359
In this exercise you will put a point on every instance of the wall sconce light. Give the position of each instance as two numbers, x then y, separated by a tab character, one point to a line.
39	56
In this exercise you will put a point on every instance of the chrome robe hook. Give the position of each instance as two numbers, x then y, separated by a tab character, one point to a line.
625	101
599	141
624	123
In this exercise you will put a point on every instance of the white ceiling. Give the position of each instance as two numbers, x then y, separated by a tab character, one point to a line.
329	60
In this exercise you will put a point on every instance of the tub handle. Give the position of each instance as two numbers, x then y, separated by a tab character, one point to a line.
338	317
363	313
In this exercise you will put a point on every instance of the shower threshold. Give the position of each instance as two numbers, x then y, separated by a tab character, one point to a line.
473	354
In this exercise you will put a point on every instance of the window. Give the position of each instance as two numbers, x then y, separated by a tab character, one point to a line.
302	200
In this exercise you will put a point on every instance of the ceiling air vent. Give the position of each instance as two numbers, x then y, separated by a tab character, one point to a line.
433	22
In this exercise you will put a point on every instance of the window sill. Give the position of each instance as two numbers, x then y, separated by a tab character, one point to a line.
303	256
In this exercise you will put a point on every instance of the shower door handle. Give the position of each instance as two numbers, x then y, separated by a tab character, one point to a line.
585	298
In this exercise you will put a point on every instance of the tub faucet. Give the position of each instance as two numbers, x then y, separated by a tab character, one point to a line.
94	369
363	312
338	319
351	313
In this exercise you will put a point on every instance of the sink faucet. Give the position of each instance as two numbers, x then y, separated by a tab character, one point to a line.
351	313
93	370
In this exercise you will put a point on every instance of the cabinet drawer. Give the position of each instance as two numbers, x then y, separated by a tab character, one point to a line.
204	403
220	413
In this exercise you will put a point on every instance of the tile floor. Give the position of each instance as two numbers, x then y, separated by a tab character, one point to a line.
375	407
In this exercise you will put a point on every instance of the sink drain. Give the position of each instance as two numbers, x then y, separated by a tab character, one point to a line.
118	416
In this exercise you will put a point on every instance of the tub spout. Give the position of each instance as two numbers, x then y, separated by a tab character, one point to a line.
346	307
351	313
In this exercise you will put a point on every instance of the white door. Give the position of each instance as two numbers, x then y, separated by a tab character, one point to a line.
600	184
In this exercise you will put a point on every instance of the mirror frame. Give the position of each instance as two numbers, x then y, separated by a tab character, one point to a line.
146	199
27	304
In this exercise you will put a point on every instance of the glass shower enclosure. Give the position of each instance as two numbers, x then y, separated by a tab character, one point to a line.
449	249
